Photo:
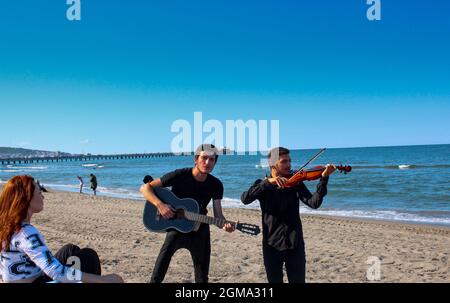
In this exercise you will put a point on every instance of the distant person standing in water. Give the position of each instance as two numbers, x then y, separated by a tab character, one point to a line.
94	184
81	184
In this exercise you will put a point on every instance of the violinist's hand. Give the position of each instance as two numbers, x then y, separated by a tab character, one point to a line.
329	169
278	181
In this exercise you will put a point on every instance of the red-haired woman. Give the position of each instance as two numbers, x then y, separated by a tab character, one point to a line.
24	255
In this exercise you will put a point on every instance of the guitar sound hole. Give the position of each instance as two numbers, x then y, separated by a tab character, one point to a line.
179	214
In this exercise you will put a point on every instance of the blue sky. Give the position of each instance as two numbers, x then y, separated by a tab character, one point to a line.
116	80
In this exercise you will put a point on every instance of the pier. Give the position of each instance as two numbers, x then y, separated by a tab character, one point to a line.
82	158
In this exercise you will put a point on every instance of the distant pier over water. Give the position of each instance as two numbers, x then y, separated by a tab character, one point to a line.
24	160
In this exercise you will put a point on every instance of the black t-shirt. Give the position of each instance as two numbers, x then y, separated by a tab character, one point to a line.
184	186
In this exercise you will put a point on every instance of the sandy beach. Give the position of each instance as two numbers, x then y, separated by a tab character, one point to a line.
337	249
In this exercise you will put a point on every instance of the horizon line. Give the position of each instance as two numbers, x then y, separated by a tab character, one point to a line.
232	153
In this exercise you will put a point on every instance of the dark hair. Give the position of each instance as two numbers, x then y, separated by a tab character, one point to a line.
210	148
147	179
277	151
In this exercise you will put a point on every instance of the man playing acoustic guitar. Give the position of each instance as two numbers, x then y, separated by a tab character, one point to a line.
196	183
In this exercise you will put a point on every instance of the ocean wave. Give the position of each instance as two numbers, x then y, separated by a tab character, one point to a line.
388	215
93	166
110	192
390	166
237	203
263	163
37	167
401	166
24	168
123	192
436	218
404	166
439	218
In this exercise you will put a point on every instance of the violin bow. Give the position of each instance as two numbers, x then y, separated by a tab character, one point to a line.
313	158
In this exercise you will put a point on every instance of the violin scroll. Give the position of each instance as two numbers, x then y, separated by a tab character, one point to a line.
344	169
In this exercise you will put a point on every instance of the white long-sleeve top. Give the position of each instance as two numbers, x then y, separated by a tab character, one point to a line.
28	258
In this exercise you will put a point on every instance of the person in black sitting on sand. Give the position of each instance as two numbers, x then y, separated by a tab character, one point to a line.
42	188
196	183
147	179
282	229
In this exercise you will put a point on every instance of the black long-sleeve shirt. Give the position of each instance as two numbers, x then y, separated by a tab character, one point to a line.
282	228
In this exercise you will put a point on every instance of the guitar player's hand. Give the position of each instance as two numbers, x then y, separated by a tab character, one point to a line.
166	211
229	228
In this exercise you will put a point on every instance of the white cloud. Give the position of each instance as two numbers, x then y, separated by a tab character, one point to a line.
85	141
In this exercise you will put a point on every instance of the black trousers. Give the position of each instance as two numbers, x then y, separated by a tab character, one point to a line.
294	260
89	260
199	245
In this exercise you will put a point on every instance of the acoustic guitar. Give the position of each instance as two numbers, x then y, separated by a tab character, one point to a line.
187	216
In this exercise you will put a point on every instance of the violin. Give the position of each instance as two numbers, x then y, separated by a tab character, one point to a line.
312	174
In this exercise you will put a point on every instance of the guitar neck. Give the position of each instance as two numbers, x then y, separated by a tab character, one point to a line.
204	219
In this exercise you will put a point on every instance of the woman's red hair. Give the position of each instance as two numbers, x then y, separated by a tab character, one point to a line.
14	203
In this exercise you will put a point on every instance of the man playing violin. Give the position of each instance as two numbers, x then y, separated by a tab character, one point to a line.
282	229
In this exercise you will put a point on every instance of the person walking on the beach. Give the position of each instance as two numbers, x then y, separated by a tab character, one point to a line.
94	184
24	255
282	229
196	183
81	184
